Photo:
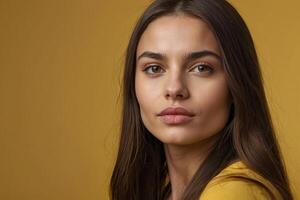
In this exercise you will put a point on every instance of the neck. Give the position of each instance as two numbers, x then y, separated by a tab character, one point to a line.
183	162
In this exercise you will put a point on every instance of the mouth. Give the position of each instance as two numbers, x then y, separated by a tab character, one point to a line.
176	111
175	119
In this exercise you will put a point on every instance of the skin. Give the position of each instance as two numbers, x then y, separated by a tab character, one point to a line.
172	80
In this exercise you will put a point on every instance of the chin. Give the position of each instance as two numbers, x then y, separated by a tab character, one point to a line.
177	139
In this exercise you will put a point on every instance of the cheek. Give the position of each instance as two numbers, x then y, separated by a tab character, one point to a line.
216	97
215	104
149	95
146	95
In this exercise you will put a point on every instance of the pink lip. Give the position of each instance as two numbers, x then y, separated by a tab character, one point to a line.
176	115
175	111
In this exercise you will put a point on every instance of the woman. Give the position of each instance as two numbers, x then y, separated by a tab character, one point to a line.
196	122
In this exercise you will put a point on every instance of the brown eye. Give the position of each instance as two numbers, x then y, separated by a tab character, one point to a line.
153	69
202	68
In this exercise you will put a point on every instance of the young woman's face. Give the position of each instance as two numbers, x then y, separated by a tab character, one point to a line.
178	65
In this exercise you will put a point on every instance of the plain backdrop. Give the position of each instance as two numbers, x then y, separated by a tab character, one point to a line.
60	68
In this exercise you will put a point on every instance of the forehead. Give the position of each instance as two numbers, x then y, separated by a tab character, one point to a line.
177	34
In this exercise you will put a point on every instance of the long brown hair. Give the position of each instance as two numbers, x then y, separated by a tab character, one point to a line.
140	170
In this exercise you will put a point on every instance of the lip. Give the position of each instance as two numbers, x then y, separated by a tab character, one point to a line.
175	111
175	115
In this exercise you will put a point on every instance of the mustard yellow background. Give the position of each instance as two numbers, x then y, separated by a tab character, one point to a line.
60	67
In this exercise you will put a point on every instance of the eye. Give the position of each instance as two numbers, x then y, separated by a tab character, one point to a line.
202	68
154	68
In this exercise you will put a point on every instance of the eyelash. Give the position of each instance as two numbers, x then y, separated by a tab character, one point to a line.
201	64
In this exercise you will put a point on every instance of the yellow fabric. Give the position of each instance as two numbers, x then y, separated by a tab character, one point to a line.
237	182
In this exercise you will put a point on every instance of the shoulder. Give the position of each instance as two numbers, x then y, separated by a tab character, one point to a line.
235	190
238	182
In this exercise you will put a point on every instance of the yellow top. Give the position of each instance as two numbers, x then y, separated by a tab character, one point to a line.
238	182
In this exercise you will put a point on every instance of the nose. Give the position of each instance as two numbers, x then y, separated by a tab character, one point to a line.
176	88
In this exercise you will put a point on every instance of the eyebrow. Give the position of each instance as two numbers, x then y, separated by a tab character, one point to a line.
189	56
